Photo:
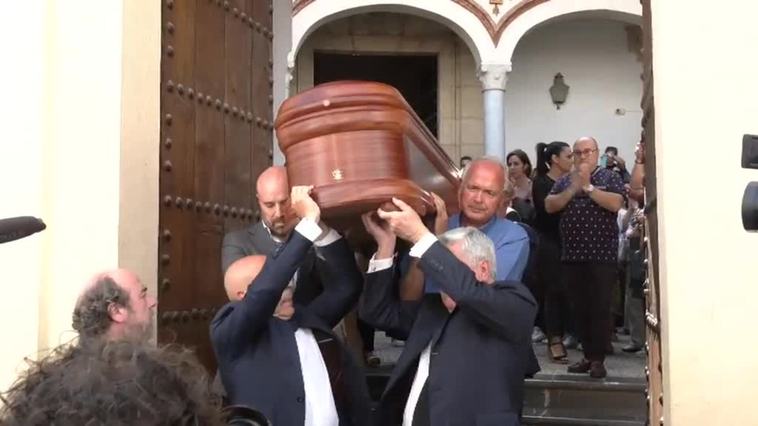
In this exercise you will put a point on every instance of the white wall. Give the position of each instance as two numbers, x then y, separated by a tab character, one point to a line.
21	179
603	75
81	185
60	160
704	64
282	21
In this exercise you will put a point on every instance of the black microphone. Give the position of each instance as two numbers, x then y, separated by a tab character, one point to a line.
14	228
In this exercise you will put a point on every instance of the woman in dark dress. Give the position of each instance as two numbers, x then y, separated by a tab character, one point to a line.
520	177
553	161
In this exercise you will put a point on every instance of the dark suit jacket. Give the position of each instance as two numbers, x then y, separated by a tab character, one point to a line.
478	357
257	353
255	239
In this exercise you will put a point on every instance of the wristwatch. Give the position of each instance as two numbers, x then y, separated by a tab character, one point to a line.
589	188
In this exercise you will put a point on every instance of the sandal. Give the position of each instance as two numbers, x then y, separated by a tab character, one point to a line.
556	351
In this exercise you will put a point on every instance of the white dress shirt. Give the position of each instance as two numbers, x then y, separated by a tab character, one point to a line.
418	250
320	409
422	374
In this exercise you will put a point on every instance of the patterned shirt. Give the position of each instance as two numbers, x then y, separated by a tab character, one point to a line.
588	231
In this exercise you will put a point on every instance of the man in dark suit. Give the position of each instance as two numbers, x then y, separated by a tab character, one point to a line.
463	362
272	230
282	358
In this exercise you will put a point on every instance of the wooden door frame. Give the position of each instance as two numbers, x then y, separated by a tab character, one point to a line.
654	346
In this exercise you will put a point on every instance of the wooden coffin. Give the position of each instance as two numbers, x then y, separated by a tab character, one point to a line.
360	144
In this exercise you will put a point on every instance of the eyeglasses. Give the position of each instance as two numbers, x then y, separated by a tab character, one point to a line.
584	152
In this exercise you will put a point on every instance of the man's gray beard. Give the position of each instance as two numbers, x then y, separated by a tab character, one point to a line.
140	332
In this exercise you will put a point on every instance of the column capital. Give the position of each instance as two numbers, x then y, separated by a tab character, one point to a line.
290	70
493	76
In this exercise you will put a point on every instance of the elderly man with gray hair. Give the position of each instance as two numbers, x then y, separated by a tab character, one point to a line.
463	362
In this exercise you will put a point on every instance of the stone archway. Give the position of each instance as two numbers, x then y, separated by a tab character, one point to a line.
622	10
309	15
457	89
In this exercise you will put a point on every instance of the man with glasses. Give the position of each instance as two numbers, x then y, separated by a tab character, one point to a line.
588	199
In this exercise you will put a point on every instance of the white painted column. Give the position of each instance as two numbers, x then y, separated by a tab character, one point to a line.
493	78
282	73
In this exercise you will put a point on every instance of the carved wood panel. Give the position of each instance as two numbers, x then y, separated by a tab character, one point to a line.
654	368
216	134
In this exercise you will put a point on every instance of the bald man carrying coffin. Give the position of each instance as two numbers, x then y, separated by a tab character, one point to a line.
280	357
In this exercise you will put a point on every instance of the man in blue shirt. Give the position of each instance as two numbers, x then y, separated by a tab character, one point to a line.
480	195
511	245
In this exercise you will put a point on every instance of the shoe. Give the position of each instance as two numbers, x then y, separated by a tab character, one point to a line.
538	336
631	349
582	366
597	370
372	360
570	342
555	350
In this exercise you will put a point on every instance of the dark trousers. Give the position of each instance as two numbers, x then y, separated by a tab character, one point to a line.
590	286
367	336
557	312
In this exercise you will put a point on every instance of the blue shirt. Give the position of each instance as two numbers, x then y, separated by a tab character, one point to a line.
511	249
511	246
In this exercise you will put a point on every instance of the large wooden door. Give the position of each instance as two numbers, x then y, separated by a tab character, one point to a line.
216	127
654	368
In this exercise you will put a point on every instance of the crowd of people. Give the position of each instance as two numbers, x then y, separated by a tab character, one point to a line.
529	250
585	210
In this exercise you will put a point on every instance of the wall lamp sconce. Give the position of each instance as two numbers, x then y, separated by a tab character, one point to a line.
559	91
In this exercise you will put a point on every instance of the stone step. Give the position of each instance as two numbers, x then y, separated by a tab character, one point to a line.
566	399
570	420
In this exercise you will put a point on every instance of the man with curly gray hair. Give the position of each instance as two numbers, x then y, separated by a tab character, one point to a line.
114	383
114	305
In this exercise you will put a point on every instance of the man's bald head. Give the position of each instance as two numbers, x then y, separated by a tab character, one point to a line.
584	140
489	165
481	191
273	193
272	179
240	274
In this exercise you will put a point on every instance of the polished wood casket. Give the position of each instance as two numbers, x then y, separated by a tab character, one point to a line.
360	144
